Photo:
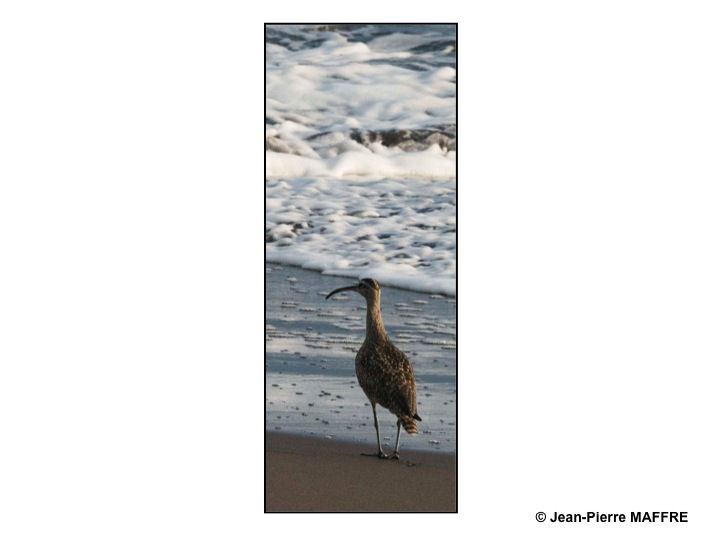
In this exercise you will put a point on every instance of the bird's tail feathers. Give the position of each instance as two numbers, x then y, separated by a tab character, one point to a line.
409	425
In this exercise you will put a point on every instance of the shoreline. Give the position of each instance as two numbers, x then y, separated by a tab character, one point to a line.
368	441
285	261
310	346
313	474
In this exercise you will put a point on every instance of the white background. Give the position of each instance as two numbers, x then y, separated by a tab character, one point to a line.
131	248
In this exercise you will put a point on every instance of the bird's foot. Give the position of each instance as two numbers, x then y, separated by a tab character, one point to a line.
396	455
381	455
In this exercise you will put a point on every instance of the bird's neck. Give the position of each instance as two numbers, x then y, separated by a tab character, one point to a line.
375	329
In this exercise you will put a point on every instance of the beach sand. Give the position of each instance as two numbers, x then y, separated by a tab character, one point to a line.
308	474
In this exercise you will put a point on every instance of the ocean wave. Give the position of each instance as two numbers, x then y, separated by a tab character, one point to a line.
360	140
359	90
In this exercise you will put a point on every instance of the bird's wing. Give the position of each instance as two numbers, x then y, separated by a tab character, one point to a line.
403	394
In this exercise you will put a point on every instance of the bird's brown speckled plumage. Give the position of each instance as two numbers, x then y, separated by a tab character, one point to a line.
384	371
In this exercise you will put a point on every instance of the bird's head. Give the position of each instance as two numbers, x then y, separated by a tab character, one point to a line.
367	287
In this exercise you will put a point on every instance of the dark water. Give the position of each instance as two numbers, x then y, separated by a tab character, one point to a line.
437	47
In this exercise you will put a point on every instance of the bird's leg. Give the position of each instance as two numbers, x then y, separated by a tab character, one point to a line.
396	454
380	453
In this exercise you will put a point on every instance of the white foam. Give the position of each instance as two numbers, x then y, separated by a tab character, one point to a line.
400	232
431	163
342	197
317	96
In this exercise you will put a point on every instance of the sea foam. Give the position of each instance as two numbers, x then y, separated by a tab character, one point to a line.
360	152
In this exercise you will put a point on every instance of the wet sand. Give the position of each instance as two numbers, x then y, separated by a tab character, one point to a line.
310	383
308	474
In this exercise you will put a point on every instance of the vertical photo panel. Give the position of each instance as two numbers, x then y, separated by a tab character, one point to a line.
360	267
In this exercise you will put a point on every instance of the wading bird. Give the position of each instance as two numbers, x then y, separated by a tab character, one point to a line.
384	371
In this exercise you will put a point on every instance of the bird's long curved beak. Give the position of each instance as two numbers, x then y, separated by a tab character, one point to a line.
341	289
